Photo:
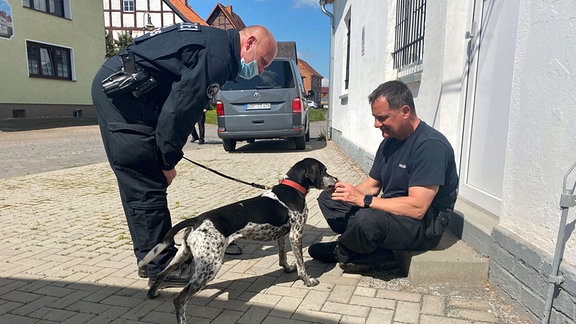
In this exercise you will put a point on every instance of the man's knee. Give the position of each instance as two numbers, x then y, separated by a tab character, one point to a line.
362	226
337	225
324	198
335	212
365	232
332	208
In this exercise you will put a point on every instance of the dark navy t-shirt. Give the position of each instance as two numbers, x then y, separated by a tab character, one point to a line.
424	158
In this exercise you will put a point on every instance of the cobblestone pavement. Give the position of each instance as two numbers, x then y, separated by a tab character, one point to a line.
66	253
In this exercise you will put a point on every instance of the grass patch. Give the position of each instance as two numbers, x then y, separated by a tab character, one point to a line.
211	117
315	115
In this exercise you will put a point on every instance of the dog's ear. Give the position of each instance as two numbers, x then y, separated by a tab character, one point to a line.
312	174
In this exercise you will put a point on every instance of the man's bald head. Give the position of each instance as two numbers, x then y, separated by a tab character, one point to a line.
257	42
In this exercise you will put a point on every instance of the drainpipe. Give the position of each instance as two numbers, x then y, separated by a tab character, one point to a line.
567	200
331	71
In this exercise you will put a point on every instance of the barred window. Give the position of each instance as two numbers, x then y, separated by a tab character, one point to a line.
409	33
53	7
128	5
47	61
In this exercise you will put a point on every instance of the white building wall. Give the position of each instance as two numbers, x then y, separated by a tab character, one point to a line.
351	111
142	5
157	6
542	133
160	13
444	64
439	97
128	20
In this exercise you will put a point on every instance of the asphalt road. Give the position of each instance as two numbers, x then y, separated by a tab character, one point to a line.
40	145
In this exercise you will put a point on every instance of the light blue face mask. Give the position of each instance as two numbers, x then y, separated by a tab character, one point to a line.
248	70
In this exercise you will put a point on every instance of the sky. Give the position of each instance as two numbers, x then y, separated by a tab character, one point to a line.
4	6
301	21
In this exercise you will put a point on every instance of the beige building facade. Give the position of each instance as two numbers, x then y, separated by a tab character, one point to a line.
50	53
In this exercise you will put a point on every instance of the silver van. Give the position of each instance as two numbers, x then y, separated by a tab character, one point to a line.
271	105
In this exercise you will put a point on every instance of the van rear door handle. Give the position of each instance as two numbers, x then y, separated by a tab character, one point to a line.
259	121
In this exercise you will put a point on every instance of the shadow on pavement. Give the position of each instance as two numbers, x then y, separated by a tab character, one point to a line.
277	146
27	124
76	302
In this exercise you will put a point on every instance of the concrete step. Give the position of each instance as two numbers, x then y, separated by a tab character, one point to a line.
451	262
473	225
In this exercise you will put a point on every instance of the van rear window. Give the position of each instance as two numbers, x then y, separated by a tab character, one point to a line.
277	75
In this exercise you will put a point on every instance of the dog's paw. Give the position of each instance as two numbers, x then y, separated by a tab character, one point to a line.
290	268
311	282
153	293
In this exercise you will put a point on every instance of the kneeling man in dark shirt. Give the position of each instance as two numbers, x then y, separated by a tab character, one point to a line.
414	170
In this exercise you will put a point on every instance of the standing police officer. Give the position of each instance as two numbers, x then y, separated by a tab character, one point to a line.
147	100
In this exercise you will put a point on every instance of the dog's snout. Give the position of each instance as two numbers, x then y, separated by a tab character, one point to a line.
329	182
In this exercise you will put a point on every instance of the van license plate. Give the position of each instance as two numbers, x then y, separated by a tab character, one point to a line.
258	106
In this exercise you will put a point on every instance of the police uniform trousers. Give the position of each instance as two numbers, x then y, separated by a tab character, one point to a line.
201	127
366	230
127	126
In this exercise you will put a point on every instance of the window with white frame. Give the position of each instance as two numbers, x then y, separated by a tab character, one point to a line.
128	6
409	34
49	61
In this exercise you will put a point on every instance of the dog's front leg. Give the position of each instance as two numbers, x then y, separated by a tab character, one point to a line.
296	240
282	256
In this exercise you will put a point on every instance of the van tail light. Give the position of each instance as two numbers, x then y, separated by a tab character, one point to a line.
219	108
297	105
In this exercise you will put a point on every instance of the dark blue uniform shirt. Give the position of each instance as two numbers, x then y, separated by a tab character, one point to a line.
424	158
186	62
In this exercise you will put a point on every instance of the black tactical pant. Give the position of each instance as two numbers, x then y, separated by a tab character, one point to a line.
365	230
201	127
127	128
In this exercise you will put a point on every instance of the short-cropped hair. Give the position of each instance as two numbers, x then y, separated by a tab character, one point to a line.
395	92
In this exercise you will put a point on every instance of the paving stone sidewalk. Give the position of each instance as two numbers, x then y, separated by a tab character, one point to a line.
66	254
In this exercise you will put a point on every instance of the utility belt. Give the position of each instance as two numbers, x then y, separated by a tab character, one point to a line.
437	222
132	78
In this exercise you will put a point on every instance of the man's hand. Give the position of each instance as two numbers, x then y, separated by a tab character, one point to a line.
347	193
170	175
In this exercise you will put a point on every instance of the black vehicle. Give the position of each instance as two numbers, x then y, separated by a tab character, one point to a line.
271	105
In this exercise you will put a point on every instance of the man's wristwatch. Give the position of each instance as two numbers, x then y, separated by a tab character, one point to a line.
367	201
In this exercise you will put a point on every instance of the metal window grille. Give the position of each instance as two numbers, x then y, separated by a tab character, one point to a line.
409	33
18	113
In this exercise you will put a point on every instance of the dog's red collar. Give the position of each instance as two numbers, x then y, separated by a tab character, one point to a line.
294	185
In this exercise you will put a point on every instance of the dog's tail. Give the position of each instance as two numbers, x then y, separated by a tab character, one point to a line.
168	238
153	253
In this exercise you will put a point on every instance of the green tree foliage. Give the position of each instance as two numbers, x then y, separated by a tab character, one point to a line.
110	46
124	40
113	45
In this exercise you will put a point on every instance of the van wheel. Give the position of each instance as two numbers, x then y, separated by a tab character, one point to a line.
300	142
229	145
